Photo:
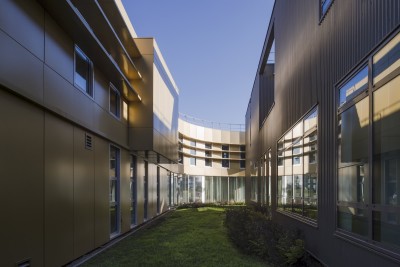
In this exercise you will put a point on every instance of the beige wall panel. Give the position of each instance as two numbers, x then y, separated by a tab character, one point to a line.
59	50
225	137
242	138
101	192
235	137
208	136
193	131
217	137
21	168
125	191
20	71
200	133
28	15
83	195
59	195
140	190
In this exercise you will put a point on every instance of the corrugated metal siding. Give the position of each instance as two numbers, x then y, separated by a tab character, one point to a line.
311	57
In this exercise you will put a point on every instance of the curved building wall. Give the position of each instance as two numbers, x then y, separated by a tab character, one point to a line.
212	164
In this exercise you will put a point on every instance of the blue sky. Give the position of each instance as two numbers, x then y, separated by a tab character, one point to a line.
212	48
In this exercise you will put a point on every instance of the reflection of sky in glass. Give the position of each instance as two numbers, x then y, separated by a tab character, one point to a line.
325	5
351	88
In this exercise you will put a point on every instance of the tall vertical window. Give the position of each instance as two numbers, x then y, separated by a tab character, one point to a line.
125	110
208	145
208	162
269	182
369	153
114	189
242	157
297	177
133	179
193	161
225	156
146	189
115	101
83	77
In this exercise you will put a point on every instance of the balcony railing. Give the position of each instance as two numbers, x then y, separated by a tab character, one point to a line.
212	124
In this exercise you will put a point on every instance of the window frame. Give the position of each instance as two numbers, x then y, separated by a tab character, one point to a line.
368	241
290	213
117	202
113	89
89	90
323	13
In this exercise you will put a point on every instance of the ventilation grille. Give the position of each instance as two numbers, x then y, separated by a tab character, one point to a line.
88	141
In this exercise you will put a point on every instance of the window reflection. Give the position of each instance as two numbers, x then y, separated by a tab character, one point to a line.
297	168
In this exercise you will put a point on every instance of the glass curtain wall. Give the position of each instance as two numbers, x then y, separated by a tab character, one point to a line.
133	179
297	168
369	150
114	190
210	189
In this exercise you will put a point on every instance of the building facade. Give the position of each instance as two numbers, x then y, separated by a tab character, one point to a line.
89	129
323	124
212	162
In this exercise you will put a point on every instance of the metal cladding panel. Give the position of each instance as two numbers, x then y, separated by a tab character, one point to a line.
59	50
22	173
30	17
311	57
59	194
20	70
101	192
83	195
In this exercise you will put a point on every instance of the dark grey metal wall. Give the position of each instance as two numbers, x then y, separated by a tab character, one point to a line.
312	56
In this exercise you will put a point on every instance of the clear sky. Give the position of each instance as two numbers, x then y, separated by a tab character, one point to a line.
211	47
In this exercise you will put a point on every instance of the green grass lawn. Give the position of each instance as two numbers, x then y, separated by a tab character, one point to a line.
188	237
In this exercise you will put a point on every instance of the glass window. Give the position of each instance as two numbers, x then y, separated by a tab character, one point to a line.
357	212
325	4
193	143
242	148
386	190
207	153
225	147
225	163
208	145
193	161
133	179
114	101
353	87
386	60
208	162
125	110
192	151
83	77
242	164
297	168
114	190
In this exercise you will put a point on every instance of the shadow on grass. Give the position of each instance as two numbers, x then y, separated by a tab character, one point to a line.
185	237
